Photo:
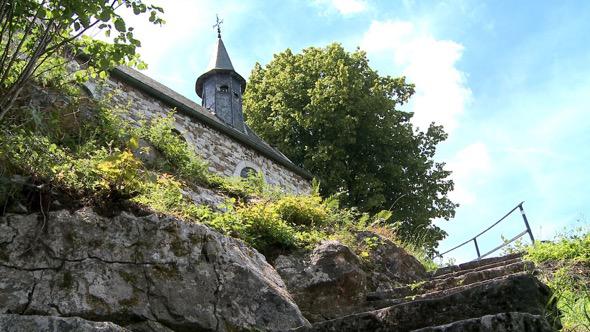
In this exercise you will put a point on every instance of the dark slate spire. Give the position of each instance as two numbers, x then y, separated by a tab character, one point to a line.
221	87
220	58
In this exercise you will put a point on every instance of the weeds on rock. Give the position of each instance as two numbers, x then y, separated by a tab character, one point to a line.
565	263
98	161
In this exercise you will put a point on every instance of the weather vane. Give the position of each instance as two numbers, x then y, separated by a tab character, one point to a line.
218	26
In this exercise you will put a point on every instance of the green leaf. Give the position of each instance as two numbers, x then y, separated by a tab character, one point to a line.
120	24
134	142
105	15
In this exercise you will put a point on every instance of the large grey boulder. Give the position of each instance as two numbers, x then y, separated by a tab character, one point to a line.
332	281
389	265
326	283
138	272
20	323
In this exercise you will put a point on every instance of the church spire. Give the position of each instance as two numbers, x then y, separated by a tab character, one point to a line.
221	87
220	58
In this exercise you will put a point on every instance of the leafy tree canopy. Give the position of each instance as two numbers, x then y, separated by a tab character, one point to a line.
39	37
330	113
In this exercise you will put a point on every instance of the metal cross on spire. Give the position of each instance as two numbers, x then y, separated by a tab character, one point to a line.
218	26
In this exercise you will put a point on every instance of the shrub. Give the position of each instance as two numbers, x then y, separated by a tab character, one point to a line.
575	249
253	185
21	152
571	289
180	157
258	224
165	195
265	228
119	171
567	264
302	210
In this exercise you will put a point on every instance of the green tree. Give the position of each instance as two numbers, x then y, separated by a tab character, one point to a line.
330	113
39	37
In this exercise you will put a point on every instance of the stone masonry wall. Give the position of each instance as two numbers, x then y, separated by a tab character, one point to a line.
224	155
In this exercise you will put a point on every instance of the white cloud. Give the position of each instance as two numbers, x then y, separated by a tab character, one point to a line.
345	7
182	17
470	167
441	90
188	28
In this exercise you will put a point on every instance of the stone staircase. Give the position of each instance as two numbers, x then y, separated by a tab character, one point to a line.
493	294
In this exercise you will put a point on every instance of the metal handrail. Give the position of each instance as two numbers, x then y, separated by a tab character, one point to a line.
474	239
503	245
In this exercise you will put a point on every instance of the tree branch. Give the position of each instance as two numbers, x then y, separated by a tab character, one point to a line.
9	13
67	40
18	48
8	99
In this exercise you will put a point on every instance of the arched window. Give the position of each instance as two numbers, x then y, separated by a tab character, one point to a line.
247	171
223	88
244	168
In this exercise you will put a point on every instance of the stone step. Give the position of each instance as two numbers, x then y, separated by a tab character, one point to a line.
515	293
474	264
479	268
451	282
380	304
503	322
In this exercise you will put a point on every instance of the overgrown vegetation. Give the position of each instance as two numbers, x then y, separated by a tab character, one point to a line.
39	38
97	158
566	266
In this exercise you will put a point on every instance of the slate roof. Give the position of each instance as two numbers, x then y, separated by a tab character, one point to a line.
219	63
221	59
192	109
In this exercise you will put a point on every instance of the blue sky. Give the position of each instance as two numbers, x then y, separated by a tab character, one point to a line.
509	80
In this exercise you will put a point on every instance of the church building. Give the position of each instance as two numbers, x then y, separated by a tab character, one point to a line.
216	129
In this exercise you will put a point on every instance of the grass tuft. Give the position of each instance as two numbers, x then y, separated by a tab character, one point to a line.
566	265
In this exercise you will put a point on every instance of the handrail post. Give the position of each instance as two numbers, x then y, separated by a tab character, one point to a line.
474	239
476	248
526	222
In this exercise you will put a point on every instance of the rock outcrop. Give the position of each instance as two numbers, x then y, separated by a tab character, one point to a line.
332	281
388	265
497	294
79	271
138	272
326	283
21	323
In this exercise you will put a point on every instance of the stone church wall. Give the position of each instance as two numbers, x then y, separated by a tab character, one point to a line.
225	155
